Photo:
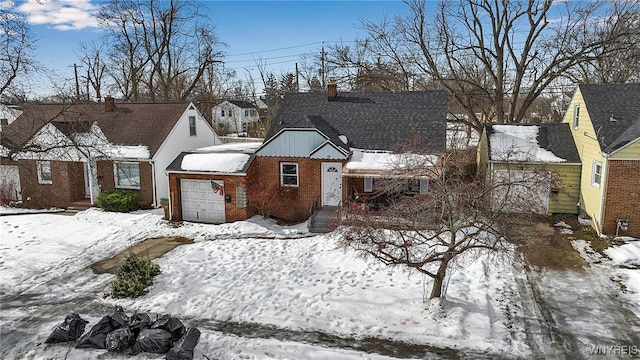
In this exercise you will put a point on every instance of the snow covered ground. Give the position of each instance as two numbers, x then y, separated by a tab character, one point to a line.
256	290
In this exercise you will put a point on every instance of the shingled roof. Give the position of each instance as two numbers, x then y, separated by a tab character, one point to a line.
129	124
614	110
555	138
368	120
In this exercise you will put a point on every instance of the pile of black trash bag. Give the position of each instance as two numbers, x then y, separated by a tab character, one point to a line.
130	334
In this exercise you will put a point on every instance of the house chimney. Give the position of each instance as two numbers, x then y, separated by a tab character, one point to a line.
109	104
332	90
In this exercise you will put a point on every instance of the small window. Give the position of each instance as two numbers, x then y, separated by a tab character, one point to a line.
4	121
254	112
241	197
246	112
289	174
576	116
596	177
44	172
127	175
192	126
368	184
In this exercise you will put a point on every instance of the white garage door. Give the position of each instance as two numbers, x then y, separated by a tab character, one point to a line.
203	201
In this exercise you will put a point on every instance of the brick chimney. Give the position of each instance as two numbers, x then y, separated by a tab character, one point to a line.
109	104
332	90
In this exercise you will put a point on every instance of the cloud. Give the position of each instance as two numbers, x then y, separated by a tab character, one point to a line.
61	14
6	4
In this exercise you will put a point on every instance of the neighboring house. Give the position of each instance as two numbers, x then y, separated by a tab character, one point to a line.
324	149
68	153
544	154
234	116
605	124
8	113
210	184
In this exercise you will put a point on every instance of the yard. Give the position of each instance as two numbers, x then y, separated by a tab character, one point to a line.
258	290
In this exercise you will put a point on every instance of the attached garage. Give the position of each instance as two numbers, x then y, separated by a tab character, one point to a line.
203	201
209	185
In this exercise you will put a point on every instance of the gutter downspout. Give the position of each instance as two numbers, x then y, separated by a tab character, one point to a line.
153	181
90	179
605	170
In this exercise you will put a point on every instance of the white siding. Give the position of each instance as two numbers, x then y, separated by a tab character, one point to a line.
178	141
294	143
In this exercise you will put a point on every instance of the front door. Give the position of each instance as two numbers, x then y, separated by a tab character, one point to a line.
331	184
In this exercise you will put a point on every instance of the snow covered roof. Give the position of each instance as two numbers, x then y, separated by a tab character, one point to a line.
540	143
232	158
382	162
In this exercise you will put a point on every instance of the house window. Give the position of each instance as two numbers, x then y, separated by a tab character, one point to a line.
368	184
44	172
127	175
246	112
596	176
241	197
192	126
254	112
289	174
418	185
222	113
576	115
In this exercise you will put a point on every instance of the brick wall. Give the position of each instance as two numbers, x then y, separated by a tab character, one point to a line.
231	183
106	181
288	203
67	184
622	200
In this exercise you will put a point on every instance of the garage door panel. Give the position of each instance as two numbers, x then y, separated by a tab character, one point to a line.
201	203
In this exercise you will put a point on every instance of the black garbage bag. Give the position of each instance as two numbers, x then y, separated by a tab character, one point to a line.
138	322
170	324
183	349
70	329
119	318
95	338
156	341
119	339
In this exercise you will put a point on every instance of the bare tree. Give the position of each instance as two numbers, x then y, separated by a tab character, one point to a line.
91	55
501	53
163	48
430	211
16	49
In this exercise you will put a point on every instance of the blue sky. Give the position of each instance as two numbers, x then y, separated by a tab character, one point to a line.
273	31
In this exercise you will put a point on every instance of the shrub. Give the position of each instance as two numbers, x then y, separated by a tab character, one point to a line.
118	200
134	276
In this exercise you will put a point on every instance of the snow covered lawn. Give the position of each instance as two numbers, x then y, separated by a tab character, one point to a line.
251	272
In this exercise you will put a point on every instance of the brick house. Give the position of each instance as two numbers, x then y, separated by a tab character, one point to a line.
605	125
313	153
69	153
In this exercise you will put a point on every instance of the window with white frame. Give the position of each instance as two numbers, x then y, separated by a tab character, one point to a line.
192	126
576	116
368	184
127	175
289	174
44	172
246	112
596	176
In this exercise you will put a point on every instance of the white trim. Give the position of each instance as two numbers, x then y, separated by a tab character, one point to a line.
290	175
40	178
599	174
115	175
576	116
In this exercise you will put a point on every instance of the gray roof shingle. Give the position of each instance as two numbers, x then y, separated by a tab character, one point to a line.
369	120
614	110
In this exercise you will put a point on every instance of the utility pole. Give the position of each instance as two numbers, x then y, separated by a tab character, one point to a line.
322	73
297	79
75	70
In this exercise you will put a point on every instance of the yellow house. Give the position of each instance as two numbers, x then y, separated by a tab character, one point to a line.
605	125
